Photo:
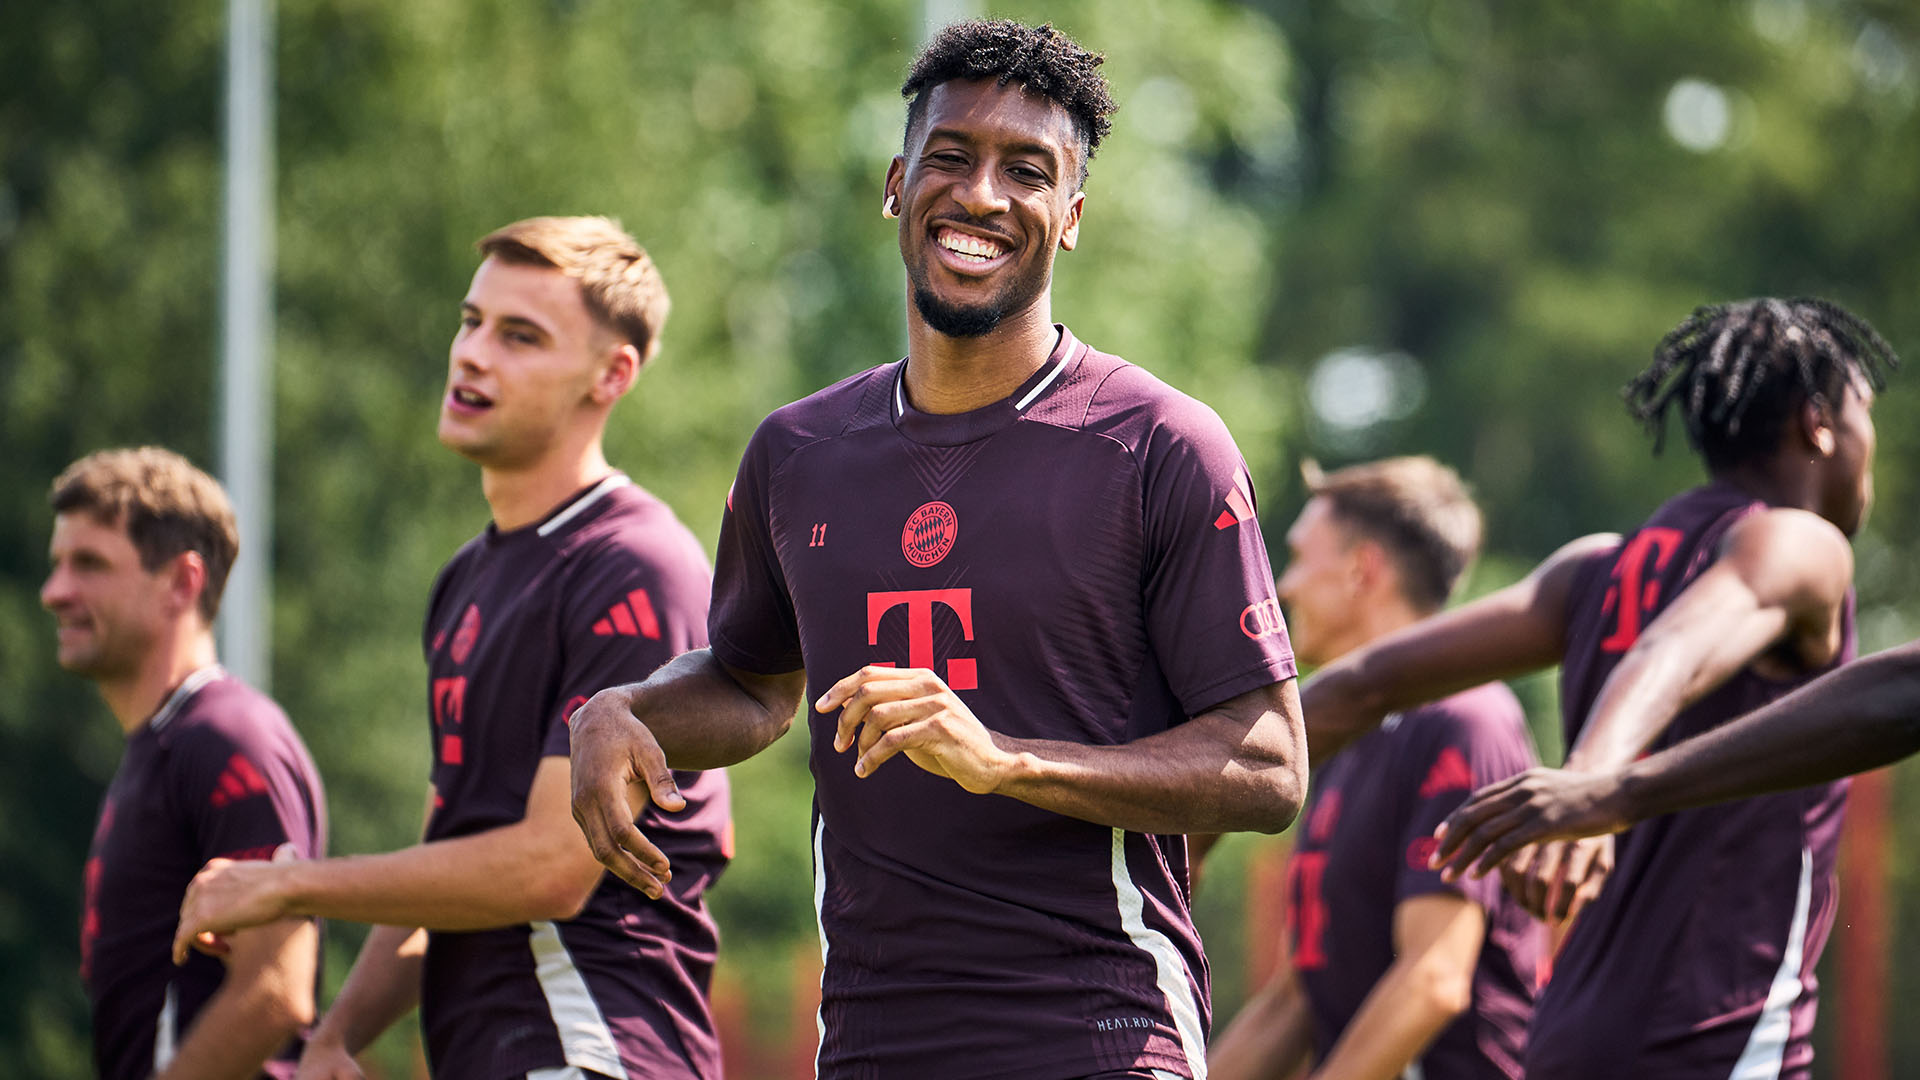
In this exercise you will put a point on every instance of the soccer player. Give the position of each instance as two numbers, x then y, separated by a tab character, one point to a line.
1861	717
1697	957
525	959
142	544
1389	968
1021	584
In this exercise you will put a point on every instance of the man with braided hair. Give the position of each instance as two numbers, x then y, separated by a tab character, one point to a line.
1021	585
1696	958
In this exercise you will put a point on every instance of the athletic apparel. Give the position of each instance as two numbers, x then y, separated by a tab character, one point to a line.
1368	834
217	772
521	629
1697	959
1080	562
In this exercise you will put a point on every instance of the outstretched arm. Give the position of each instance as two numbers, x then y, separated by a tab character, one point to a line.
1779	581
1238	766
697	712
1518	629
1780	578
1860	717
535	868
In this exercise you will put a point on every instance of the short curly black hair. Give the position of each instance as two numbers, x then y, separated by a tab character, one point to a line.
1041	59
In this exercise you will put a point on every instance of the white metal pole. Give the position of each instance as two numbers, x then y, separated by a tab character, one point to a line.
246	337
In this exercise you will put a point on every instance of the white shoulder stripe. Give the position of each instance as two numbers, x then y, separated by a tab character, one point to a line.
1170	970
1021	405
585	1040
598	492
1766	1048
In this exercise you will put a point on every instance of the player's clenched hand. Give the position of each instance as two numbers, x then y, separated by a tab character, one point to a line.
613	755
227	896
886	711
1537	805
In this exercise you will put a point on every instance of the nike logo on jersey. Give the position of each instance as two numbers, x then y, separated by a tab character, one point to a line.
631	617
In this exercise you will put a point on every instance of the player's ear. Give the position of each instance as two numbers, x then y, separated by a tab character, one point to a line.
186	579
1816	427
890	202
1070	235
621	367
1371	567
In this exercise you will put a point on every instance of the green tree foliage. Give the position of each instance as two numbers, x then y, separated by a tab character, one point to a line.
1486	187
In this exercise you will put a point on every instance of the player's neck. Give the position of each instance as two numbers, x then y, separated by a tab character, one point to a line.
520	497
1371	622
1778	483
960	374
134	698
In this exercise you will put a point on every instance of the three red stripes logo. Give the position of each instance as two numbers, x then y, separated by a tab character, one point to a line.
1449	773
632	617
1239	503
239	781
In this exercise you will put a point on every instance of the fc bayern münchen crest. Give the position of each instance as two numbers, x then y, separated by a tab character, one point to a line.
929	534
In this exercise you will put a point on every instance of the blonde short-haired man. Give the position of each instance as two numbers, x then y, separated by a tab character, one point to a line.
524	958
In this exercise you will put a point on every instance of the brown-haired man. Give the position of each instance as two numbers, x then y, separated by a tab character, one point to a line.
1390	969
524	958
142	544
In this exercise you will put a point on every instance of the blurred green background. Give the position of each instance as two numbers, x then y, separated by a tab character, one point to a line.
1354	227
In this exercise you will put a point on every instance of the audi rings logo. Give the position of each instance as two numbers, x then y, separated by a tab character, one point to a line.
1262	619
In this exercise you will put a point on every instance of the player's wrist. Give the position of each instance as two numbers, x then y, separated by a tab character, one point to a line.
1634	795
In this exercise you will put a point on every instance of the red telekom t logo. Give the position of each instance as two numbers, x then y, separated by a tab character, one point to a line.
962	674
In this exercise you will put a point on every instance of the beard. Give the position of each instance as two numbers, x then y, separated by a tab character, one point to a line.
956	320
974	320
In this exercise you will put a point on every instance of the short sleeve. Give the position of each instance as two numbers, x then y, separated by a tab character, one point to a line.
752	624
1210	607
627	611
1453	749
245	796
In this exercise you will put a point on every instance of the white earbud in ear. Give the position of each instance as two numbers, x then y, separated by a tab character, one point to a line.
890	208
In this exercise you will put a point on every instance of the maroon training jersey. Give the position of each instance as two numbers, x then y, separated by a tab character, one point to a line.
1079	561
522	628
1697	959
1368	832
218	772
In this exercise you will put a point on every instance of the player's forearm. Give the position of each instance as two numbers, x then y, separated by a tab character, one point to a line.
257	1008
1642	696
513	874
1213	773
1863	716
383	986
705	716
1406	1010
1494	639
1269	1038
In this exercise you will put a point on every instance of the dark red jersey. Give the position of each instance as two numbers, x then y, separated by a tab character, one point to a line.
1079	561
522	628
1363	849
218	772
1697	959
